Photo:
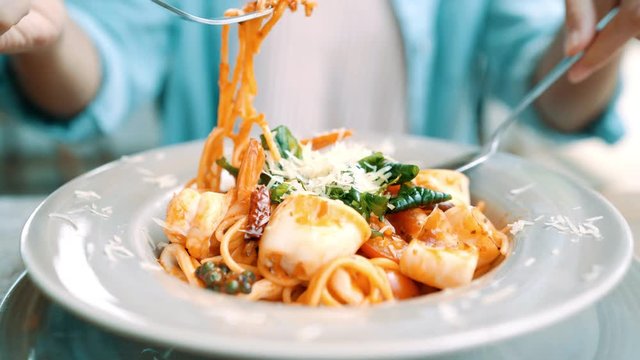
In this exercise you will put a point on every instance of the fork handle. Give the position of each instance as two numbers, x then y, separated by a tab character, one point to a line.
557	72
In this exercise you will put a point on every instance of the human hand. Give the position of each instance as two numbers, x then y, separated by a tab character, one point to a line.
600	48
30	25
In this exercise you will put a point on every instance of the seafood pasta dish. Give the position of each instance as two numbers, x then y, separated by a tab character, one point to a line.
321	220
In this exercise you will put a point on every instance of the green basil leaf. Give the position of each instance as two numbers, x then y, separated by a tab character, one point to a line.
286	142
364	203
278	192
375	204
372	162
223	163
400	173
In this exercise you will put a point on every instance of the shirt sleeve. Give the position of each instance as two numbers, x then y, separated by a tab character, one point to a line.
517	36
132	38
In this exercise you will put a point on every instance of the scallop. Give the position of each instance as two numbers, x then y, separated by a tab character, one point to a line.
307	231
192	217
438	266
451	182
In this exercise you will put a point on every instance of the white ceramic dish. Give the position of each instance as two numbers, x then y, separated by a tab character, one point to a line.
95	256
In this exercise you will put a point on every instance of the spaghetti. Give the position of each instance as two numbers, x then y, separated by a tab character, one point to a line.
320	221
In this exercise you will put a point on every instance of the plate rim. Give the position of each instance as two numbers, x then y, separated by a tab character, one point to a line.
414	347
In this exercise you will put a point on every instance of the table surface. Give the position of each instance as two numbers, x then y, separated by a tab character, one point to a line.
616	317
14	212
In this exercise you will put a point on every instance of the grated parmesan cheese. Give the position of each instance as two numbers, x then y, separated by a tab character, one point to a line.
335	167
104	212
518	191
87	195
115	250
565	226
518	226
64	218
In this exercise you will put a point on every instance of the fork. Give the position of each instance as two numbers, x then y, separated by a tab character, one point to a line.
215	21
474	159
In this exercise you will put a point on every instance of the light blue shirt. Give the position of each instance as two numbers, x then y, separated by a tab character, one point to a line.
150	55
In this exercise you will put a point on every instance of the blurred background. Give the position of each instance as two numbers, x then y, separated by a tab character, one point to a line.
338	91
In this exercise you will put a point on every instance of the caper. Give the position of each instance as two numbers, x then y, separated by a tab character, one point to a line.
245	287
208	266
231	287
212	277
249	275
225	269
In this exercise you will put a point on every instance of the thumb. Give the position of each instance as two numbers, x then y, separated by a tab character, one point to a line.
11	12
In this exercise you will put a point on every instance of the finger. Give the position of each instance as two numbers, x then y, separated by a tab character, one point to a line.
607	43
39	36
12	42
11	12
580	25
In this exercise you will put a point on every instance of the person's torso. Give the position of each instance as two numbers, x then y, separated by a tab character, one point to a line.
374	65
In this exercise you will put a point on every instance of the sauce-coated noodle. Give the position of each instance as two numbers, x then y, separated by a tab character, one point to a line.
306	222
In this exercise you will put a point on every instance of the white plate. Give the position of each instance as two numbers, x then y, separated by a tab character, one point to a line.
96	258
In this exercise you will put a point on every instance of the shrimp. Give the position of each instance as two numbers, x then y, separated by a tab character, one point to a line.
192	218
439	267
437	257
451	182
248	177
474	228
